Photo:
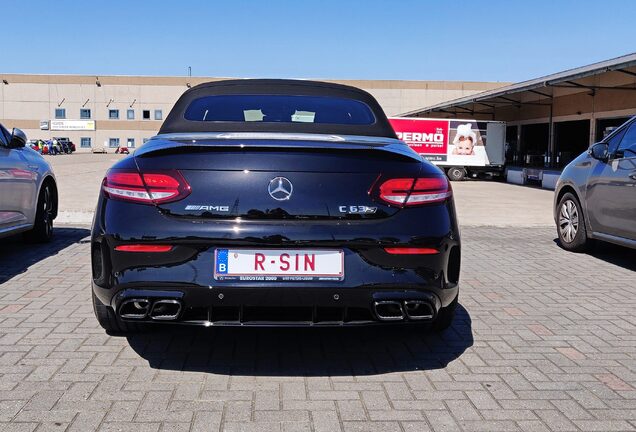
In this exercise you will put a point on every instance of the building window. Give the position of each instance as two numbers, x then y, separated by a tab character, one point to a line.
85	113
60	113
113	114
130	142
145	140
158	115
113	142
130	114
85	142
146	114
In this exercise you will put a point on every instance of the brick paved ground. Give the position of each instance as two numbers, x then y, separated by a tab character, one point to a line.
544	339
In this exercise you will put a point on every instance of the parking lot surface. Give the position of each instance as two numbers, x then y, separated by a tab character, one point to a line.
543	340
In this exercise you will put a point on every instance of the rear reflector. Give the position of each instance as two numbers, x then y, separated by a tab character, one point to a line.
143	248
147	187
411	251
415	191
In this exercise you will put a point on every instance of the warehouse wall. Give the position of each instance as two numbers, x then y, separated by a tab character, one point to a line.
28	99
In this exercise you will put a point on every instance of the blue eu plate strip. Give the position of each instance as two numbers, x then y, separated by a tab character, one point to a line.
221	261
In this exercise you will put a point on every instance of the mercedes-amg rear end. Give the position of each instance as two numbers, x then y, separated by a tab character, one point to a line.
275	202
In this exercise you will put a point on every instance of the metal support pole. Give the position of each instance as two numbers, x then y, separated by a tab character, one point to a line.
517	158
593	122
551	162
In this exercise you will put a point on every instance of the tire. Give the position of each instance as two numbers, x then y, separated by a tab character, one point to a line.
456	173
42	231
110	322
445	316
571	224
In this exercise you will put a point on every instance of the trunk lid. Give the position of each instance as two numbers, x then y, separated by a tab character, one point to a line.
282	178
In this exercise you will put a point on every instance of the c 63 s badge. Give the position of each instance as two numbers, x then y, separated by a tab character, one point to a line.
216	208
357	209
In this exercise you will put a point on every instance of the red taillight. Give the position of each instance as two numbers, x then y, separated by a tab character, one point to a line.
411	251
147	187
143	248
415	191
395	191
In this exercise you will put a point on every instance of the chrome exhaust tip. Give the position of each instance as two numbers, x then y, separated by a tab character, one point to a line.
134	309
389	310
418	310
165	310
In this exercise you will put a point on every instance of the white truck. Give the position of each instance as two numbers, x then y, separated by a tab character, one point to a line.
460	147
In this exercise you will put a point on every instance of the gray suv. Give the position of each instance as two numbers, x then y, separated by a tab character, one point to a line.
28	192
595	197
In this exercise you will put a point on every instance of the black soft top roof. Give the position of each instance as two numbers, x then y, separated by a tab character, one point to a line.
177	123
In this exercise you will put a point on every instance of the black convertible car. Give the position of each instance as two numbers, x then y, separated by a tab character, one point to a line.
275	202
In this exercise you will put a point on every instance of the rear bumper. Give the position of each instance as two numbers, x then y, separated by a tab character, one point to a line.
289	306
182	281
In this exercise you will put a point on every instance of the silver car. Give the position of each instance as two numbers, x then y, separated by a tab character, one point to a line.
595	197
28	191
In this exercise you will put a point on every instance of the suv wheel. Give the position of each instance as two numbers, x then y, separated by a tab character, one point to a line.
571	224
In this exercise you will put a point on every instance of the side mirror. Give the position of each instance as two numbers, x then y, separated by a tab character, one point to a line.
599	152
18	138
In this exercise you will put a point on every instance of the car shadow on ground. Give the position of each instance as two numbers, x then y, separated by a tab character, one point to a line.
16	255
304	351
613	254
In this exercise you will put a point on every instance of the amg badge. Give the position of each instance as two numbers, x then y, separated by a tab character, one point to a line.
217	208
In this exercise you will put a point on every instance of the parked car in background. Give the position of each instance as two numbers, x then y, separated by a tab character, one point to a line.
33	144
595	197
28	190
99	149
67	145
275	202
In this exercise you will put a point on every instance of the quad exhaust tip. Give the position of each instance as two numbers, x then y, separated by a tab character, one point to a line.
394	310
138	309
389	310
134	308
165	310
418	309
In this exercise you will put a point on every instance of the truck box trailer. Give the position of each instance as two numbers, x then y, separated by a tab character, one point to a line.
460	147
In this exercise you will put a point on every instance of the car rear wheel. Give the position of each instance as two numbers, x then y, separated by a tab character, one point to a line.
42	231
110	322
456	173
571	224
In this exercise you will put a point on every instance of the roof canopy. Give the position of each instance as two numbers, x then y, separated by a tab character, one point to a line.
616	75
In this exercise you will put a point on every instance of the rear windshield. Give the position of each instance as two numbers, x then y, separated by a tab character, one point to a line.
279	108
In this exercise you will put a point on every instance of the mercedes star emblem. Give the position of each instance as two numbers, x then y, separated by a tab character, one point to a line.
280	188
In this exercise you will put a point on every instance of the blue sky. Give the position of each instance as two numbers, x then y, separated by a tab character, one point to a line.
442	40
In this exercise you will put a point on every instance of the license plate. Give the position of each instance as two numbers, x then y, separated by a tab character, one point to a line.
278	264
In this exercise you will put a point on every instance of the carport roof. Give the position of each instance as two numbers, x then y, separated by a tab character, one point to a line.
570	81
